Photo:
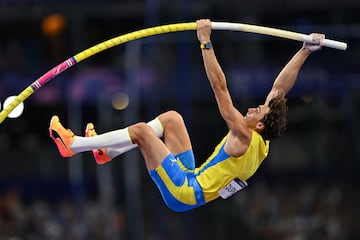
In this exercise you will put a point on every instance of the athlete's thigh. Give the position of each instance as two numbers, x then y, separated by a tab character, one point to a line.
152	148
176	136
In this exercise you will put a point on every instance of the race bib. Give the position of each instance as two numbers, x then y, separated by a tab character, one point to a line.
233	187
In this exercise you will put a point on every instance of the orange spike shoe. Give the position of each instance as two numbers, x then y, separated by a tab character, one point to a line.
99	154
62	137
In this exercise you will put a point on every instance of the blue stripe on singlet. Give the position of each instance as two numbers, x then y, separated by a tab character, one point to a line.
219	157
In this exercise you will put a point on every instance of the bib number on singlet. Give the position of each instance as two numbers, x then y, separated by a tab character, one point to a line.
233	187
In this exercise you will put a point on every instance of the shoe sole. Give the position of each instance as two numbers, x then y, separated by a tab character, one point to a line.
60	143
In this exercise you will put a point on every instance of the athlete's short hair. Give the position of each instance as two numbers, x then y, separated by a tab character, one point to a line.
275	120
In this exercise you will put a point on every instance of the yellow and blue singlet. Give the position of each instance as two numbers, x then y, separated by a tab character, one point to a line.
184	187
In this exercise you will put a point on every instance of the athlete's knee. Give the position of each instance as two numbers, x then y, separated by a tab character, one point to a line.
140	131
171	118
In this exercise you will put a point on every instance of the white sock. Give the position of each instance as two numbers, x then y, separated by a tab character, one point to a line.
116	142
155	124
116	139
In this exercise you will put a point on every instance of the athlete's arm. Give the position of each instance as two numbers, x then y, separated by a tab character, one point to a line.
233	118
288	75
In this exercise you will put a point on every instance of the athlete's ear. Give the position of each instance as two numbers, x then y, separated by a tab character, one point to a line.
260	126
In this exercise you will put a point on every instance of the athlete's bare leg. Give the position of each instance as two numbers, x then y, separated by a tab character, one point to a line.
154	150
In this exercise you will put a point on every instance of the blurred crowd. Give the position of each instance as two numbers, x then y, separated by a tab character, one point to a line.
44	219
304	210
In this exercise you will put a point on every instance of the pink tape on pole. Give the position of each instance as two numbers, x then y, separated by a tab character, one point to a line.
53	73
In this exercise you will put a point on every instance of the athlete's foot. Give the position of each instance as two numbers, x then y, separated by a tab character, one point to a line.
62	137
99	154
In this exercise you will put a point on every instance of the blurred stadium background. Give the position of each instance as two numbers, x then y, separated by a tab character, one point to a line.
308	188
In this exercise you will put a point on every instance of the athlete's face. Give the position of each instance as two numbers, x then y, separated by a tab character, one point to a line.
254	115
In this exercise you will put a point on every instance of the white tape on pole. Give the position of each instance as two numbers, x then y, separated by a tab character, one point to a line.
276	33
